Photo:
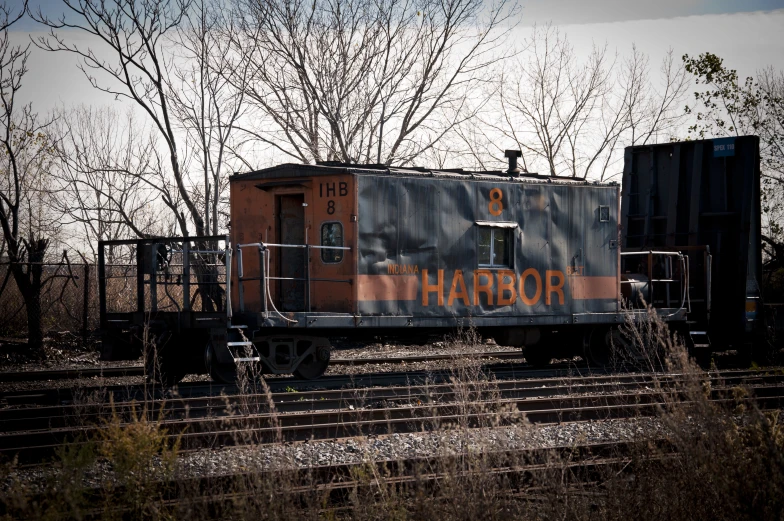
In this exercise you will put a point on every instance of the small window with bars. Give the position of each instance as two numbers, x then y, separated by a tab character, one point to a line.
494	247
332	235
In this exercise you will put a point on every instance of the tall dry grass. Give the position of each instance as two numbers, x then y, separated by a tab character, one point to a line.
708	460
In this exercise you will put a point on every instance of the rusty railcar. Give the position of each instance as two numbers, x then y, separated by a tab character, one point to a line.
317	252
424	249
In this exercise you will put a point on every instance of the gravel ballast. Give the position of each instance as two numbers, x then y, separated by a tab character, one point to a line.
366	449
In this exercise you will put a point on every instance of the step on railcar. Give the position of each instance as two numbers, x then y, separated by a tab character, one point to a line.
318	252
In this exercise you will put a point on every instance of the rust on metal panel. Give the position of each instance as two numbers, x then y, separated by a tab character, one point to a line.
327	203
440	245
387	287
439	230
583	288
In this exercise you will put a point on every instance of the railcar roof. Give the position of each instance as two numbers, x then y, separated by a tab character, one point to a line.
329	168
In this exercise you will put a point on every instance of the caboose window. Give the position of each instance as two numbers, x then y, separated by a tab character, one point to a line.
332	235
494	247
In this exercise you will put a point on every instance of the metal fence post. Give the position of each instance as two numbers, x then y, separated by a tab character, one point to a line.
140	277
307	276
86	298
240	276
263	252
154	278
186	275
102	284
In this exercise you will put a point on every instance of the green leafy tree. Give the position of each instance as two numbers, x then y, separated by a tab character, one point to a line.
723	106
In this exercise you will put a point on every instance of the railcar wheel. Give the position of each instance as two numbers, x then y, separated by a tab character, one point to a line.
222	373
597	348
537	356
313	365
608	346
161	364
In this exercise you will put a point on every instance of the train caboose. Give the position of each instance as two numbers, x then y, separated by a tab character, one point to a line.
317	252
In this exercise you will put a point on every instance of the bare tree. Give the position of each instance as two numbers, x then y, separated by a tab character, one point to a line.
25	144
365	80
135	35
770	127
206	106
569	114
110	176
160	53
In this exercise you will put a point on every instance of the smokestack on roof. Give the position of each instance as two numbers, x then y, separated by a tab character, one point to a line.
513	155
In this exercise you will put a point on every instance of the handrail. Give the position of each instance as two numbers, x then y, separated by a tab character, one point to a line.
265	277
227	259
150	240
652	252
307	246
684	261
146	251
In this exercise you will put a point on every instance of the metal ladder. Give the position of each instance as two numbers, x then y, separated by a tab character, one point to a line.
235	331
699	339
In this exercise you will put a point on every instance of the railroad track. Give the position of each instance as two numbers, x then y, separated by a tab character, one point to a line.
524	463
333	484
140	392
292	401
138	370
383	411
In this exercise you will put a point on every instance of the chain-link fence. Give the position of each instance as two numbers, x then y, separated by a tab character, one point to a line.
69	299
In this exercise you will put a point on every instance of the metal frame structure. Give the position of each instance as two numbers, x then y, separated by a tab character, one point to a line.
146	252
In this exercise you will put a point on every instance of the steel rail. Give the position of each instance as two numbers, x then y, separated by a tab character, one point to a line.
138	370
48	417
145	391
265	428
521	467
500	371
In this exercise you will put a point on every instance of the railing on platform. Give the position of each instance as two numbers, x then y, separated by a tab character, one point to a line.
659	270
169	274
265	275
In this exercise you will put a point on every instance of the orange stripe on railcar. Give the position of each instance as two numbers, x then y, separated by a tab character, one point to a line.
387	287
585	288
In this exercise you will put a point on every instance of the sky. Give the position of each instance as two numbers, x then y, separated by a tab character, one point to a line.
749	35
563	12
577	12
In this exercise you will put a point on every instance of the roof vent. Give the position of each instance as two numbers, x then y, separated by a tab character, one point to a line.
513	155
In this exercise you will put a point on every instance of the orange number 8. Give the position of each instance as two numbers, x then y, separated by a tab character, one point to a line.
496	206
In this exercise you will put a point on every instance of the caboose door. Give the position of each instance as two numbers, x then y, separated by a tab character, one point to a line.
291	261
